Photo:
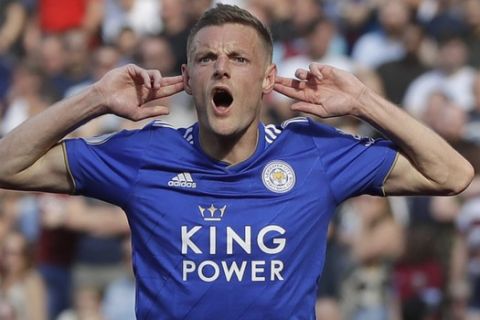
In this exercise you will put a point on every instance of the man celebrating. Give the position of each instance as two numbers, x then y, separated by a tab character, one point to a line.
229	216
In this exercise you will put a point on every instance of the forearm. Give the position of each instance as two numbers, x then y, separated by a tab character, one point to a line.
27	143
445	170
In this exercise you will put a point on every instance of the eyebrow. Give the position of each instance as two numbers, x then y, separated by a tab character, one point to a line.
207	51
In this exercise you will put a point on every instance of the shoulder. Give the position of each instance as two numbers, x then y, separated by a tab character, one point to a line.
156	126
301	128
272	131
308	126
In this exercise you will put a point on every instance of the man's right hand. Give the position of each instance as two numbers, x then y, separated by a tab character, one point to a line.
134	93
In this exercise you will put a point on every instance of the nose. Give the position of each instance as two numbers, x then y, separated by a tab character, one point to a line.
222	68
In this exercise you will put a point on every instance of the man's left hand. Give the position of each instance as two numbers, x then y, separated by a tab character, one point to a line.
323	91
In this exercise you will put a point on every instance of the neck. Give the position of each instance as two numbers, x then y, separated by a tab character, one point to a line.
230	149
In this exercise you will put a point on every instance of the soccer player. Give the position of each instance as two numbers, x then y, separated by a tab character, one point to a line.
229	216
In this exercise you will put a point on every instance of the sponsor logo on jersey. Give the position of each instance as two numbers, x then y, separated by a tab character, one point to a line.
212	213
183	180
278	176
222	252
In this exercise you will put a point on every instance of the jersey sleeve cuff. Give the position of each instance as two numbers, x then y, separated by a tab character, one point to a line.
392	165
67	166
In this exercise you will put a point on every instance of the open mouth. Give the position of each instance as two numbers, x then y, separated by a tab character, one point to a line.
222	98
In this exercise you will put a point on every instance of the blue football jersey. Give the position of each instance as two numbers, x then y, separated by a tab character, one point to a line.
218	241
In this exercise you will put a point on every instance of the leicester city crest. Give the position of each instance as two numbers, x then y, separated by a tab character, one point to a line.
278	176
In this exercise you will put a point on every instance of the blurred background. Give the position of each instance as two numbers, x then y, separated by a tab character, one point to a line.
67	257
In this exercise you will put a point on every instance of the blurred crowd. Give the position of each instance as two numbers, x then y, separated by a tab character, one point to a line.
68	258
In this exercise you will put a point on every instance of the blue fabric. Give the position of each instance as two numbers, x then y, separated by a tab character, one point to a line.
58	282
212	241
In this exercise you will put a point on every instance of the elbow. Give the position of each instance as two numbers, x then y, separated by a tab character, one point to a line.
460	179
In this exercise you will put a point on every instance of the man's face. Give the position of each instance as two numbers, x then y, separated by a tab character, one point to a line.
227	74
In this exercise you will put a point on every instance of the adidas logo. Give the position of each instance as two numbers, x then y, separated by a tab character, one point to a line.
184	180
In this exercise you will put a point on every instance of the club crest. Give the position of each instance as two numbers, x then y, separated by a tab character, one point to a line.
278	176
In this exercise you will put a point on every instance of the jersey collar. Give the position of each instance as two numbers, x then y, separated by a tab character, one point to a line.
261	145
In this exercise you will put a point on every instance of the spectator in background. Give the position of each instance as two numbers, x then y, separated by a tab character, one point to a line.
465	262
103	59
451	76
156	53
13	16
445	117
53	57
87	305
472	127
318	39
397	75
384	45
65	60
7	312
27	97
141	16
304	13
419	274
61	16
8	210
64	220
195	8
20	285
375	241
127	43
356	17
119	298
471	10
291	22
176	27
327	309
77	56
445	19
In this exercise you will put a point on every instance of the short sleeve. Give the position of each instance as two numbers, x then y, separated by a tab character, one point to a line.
105	167
354	165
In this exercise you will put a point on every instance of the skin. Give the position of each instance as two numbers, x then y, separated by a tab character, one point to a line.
32	160
428	165
230	57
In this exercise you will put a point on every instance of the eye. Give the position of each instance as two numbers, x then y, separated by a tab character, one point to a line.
205	59
241	59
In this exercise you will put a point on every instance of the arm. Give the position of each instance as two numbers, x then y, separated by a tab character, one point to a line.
426	164
31	158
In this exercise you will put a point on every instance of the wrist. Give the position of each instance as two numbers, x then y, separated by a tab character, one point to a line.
369	105
361	101
98	100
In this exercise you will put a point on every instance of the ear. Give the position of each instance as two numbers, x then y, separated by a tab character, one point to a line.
269	79
186	79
